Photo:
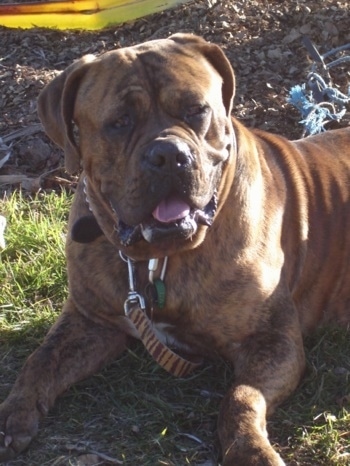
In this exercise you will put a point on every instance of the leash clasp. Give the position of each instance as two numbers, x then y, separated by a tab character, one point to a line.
133	299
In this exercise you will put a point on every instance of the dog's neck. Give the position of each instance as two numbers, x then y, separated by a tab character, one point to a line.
135	305
86	229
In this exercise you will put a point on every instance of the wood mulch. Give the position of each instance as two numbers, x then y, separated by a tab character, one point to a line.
262	39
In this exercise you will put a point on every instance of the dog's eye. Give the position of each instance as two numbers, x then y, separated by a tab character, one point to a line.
117	127
196	111
121	122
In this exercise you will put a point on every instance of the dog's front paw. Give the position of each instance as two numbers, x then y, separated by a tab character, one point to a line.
253	451
18	425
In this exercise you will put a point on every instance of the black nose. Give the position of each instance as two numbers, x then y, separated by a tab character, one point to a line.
168	155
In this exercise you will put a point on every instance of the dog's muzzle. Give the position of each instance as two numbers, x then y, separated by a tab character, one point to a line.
168	160
171	219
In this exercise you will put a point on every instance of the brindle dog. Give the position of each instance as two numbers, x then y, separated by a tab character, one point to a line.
256	229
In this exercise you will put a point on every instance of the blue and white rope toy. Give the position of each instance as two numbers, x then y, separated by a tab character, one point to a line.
317	101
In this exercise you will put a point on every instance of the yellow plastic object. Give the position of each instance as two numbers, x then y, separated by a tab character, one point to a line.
79	14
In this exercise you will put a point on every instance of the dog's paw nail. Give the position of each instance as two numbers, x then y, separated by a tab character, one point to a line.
7	441
42	407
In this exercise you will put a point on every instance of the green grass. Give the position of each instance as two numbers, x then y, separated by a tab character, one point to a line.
32	269
133	411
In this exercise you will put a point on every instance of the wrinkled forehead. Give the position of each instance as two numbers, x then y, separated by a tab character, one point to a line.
156	67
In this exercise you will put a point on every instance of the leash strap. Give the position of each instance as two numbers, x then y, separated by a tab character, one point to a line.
134	308
162	354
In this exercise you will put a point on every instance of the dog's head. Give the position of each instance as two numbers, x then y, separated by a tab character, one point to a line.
150	126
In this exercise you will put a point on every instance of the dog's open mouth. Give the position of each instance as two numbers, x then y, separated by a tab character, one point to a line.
171	219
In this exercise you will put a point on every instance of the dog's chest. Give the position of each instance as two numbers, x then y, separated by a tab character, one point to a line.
196	316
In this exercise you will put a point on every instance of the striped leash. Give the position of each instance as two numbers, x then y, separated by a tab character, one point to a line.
134	308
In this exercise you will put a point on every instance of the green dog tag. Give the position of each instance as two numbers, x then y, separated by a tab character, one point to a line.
160	289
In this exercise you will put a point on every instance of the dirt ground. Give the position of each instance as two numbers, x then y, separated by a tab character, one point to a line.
262	39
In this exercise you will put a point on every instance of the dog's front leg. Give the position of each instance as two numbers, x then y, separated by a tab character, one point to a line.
74	348
268	368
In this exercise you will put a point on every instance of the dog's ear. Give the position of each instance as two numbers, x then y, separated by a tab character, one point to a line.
56	110
214	54
86	229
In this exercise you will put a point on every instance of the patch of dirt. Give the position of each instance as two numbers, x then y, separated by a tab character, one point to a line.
262	39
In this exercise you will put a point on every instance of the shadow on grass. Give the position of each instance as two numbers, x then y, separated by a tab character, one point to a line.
132	411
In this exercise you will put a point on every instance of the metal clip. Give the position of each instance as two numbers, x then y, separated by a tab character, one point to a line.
133	299
153	266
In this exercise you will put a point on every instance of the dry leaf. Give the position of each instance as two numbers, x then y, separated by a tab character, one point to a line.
88	460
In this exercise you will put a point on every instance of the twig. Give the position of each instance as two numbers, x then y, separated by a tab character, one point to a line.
23	132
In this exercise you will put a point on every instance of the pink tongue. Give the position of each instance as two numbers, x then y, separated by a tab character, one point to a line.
170	210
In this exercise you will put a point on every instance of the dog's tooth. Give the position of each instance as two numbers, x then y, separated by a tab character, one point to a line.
147	233
202	218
